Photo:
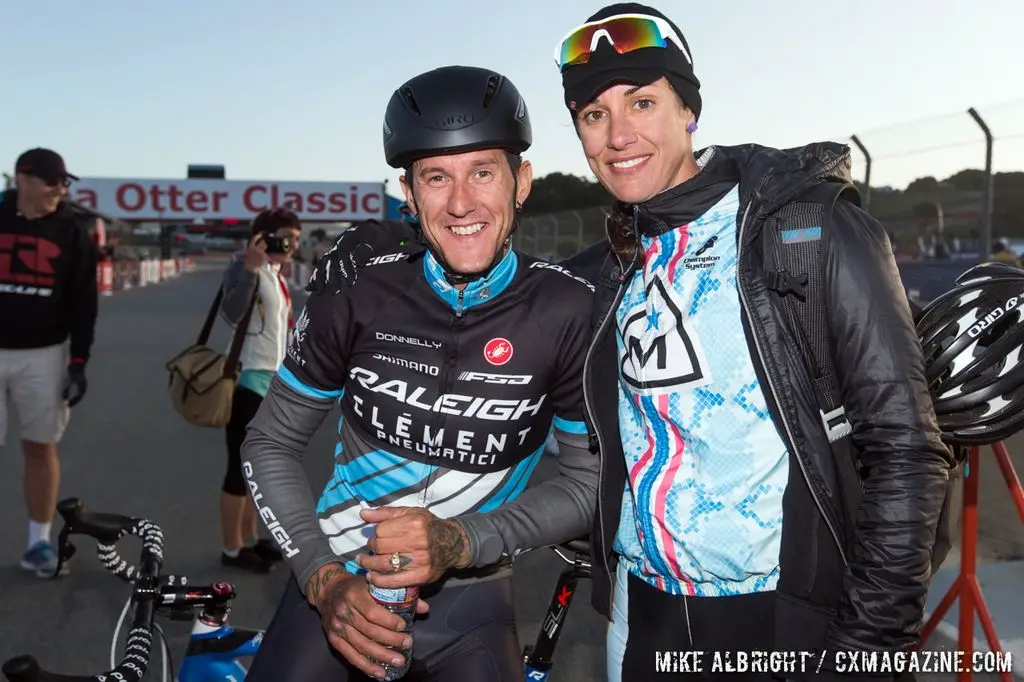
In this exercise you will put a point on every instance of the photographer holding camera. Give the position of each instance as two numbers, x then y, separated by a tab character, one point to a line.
256	270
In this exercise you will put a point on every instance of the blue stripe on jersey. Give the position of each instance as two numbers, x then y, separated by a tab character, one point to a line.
292	382
372	484
369	463
664	256
371	477
335	493
476	292
569	426
516	482
645	491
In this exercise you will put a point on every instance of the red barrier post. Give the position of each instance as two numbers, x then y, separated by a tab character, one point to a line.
105	275
1010	474
966	585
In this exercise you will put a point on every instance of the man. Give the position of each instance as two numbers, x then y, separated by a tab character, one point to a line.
453	357
47	295
1001	253
730	518
255	278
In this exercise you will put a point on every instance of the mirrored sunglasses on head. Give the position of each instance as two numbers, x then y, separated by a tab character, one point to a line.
625	33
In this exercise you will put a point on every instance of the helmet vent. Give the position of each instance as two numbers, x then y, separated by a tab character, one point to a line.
491	89
410	100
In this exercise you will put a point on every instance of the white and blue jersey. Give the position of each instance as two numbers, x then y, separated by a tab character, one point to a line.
702	510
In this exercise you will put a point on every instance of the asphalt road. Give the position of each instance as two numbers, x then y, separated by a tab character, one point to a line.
126	451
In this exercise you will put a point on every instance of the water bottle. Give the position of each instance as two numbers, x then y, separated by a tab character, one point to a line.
401	600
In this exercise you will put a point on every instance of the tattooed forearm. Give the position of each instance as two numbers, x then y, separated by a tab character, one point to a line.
315	586
448	544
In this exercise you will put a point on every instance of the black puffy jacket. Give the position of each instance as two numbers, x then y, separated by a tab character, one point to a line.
854	573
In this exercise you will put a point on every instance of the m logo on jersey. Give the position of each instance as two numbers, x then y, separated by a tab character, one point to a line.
498	351
660	351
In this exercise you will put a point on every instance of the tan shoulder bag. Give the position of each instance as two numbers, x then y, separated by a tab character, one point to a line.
202	380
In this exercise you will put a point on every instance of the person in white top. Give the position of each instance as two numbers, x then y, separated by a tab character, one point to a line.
274	240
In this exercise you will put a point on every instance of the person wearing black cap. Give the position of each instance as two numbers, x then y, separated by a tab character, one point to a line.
453	358
48	294
742	511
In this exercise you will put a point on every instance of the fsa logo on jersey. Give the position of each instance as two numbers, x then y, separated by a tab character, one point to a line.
488	378
498	351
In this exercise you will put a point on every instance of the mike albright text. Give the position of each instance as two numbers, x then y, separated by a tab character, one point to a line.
867	662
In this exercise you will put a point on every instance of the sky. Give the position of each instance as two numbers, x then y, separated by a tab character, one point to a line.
296	90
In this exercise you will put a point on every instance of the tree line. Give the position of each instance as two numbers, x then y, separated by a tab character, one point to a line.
917	203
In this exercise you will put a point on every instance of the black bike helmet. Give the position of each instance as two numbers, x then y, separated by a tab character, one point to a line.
972	337
451	110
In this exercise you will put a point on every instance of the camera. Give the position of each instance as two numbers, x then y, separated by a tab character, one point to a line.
277	244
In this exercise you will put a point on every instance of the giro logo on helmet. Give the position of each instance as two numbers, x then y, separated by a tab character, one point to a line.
498	351
987	321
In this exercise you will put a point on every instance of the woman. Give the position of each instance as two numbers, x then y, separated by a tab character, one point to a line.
258	269
732	518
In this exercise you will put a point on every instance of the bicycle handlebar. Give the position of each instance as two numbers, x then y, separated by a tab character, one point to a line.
108	529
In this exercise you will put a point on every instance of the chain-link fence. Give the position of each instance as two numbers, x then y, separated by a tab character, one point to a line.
555	236
929	185
928	188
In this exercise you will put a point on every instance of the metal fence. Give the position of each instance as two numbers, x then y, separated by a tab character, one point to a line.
939	208
554	236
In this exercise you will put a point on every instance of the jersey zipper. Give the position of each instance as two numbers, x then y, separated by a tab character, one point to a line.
759	351
451	354
597	430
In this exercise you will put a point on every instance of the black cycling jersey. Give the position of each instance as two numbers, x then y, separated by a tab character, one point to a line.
447	399
469	380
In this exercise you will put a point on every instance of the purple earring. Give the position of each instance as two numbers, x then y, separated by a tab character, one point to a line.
692	128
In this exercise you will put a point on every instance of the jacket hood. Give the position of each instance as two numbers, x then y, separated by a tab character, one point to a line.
768	177
772	177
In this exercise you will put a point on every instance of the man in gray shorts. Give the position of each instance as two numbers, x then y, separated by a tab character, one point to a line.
47	296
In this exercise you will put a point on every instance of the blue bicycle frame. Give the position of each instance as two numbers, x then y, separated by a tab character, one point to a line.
213	652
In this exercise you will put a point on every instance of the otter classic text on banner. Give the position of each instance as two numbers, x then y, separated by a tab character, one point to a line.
166	200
